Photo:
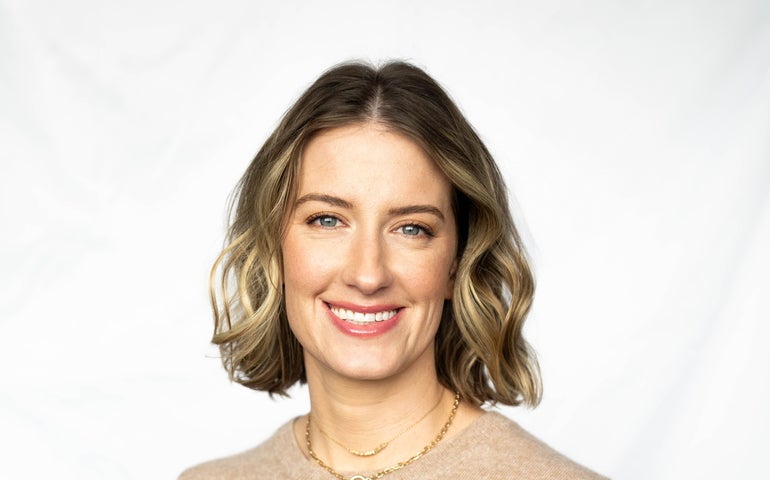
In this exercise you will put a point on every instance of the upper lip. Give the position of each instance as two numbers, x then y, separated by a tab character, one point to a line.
363	308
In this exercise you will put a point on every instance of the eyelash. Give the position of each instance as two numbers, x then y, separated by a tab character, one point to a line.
318	216
424	229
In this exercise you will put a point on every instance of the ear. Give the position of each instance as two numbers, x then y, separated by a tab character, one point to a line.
450	285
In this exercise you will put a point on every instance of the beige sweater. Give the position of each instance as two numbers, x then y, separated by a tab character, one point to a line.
492	447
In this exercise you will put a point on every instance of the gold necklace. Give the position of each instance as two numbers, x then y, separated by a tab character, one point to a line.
382	446
392	468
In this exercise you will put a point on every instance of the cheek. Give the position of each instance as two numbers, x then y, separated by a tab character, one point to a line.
427	279
295	265
296	284
306	271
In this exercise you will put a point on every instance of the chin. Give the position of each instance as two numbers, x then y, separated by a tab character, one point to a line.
368	372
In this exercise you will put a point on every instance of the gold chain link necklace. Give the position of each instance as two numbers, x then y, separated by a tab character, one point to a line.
383	445
392	468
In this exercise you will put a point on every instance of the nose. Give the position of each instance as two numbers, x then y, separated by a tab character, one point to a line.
366	264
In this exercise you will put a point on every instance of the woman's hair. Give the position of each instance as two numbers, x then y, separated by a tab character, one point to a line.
479	349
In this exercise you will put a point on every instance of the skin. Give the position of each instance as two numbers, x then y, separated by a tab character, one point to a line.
372	228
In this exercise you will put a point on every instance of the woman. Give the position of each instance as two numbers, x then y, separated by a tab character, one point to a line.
375	258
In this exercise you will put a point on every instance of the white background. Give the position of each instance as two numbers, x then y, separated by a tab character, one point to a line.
633	135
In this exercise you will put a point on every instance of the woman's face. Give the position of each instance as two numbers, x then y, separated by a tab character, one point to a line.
368	254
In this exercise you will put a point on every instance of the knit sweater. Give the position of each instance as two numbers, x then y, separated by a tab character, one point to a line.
492	447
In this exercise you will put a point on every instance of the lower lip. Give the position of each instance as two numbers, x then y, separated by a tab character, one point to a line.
363	331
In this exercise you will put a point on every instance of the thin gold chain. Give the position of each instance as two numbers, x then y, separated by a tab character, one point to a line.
392	468
383	445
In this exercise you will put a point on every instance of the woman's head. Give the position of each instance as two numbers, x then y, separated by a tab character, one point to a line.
369	250
479	348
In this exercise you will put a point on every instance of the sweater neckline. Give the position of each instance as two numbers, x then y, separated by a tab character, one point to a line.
296	458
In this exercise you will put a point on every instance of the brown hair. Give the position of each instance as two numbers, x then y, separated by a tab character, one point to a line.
480	351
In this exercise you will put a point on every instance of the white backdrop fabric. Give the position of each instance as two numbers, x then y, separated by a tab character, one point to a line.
633	136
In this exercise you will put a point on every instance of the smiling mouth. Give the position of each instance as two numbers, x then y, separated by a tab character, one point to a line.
360	318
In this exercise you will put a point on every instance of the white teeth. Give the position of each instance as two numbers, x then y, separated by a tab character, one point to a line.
362	318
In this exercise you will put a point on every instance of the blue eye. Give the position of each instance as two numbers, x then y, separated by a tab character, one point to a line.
411	230
326	221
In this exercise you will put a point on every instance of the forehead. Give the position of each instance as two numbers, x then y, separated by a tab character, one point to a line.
370	161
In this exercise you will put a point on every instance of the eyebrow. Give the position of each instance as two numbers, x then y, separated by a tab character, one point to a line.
318	197
417	209
342	203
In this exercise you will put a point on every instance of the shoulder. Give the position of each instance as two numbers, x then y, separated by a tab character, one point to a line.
495	446
267	460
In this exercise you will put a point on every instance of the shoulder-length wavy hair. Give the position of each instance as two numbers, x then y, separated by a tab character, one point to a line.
479	349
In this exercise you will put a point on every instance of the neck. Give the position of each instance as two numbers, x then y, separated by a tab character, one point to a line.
362	414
